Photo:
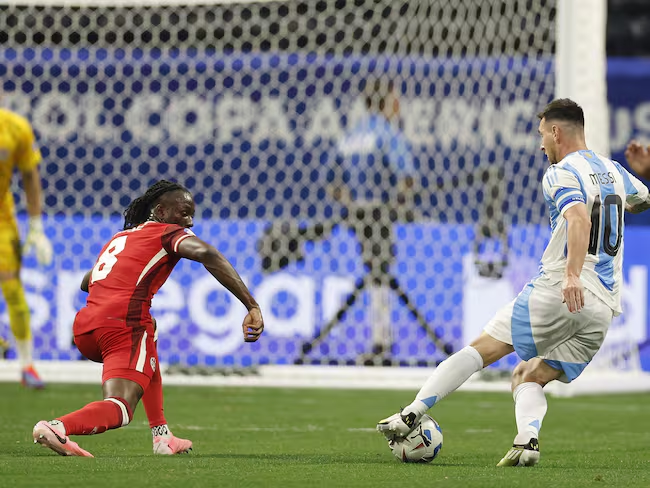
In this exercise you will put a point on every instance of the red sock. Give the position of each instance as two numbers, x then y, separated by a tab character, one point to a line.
98	417
153	401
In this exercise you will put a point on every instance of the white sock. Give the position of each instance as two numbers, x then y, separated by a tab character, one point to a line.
24	348
530	408
448	376
161	431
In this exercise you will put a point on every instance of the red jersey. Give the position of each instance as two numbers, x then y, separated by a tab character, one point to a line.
130	269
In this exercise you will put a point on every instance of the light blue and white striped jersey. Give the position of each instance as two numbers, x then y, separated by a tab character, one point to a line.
604	186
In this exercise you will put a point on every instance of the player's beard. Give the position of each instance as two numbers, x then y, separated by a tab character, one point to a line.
551	158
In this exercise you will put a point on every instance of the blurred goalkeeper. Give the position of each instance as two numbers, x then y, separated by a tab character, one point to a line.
18	150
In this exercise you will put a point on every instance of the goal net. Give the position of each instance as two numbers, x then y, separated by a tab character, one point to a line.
371	169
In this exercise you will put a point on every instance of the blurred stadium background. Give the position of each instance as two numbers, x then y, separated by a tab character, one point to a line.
246	104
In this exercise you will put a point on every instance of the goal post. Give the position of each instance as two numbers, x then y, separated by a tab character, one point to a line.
581	65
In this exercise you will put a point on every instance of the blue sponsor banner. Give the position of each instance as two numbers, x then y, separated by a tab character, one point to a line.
241	129
252	134
200	323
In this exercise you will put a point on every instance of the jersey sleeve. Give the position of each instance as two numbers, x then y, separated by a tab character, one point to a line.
563	188
27	155
173	235
635	191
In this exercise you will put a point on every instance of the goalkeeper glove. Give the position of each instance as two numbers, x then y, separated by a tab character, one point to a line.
36	239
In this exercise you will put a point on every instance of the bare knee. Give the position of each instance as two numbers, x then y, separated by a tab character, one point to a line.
128	390
520	374
534	371
491	349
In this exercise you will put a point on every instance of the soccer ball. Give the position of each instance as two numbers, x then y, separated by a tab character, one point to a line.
422	445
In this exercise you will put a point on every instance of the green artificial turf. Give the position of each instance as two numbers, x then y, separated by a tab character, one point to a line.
309	437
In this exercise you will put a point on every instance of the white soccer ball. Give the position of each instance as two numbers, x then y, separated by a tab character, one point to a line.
422	445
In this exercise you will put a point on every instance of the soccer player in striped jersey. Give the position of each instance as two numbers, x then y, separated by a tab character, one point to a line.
559	320
116	328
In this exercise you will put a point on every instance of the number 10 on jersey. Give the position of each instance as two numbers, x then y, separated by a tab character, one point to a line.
612	207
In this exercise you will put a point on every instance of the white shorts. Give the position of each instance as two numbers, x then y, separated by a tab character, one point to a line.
538	324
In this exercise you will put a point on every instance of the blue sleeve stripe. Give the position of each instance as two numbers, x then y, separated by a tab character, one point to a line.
563	191
569	196
570	168
571	199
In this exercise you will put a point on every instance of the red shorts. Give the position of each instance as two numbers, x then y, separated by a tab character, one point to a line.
128	353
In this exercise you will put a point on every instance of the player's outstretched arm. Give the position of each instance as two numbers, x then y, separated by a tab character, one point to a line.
638	157
36	236
578	228
197	250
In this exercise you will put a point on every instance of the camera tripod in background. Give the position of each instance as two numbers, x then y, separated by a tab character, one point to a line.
372	224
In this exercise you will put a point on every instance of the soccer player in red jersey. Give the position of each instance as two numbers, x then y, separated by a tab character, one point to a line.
116	328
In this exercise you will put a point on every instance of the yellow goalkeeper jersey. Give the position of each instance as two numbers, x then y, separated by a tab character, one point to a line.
18	149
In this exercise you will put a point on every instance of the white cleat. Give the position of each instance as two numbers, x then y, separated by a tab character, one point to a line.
522	455
171	445
397	425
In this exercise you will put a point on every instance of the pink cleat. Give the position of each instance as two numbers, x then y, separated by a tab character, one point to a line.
46	435
30	379
171	445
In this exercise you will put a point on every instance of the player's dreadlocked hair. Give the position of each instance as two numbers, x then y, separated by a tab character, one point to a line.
139	210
